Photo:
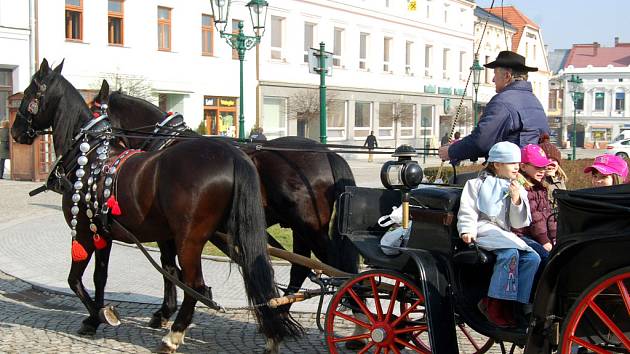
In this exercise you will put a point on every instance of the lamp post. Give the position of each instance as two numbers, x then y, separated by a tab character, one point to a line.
575	88
239	41
476	69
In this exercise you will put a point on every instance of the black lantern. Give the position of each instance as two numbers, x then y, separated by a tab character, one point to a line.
403	174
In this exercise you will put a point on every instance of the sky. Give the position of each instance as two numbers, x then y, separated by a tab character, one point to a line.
564	22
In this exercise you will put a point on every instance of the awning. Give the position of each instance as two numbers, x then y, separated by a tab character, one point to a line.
601	126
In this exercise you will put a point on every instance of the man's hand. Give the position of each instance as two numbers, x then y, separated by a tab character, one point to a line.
468	238
443	152
547	246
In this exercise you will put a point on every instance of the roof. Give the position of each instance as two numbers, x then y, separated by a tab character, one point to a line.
582	55
516	18
557	59
492	18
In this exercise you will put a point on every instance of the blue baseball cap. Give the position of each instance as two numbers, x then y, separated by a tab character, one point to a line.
505	152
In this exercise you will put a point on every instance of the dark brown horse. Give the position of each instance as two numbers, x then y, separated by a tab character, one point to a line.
298	187
184	193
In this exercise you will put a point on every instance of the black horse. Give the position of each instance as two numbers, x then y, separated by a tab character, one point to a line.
300	181
184	193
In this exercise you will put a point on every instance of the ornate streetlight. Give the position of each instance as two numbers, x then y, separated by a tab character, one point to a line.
476	70
575	89
239	41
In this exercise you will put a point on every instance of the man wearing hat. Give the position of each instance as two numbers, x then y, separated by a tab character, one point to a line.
514	114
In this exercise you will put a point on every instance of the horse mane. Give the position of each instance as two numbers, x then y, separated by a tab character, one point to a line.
294	142
72	112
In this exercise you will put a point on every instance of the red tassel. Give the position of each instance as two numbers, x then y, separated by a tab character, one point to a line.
78	252
99	242
116	209
111	201
96	114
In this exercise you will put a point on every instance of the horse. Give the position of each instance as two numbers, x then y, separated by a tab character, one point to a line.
300	181
184	193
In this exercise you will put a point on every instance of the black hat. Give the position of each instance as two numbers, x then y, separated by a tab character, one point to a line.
509	59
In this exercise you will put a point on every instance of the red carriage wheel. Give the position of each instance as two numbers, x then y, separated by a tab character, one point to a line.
367	312
599	321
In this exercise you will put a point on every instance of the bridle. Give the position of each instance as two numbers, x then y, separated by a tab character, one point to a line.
33	108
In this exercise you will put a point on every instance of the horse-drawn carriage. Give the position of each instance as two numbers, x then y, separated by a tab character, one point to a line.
415	301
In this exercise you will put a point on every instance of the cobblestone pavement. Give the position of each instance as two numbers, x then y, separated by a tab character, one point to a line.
39	314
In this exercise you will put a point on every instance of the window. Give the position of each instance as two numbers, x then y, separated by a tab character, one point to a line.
445	14
408	57
387	47
115	22
362	119
386	120
363	50
6	88
445	63
207	35
74	20
600	80
164	28
309	38
276	37
336	120
407	120
428	54
534	52
462	58
599	101
275	116
426	121
579	101
486	71
235	30
338	47
620	101
553	100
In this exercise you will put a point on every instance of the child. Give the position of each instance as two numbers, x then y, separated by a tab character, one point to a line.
607	170
490	205
541	232
555	178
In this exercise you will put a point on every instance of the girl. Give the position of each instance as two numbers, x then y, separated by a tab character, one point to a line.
555	178
490	205
608	170
541	232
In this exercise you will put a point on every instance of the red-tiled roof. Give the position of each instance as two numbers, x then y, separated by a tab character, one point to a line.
516	19
582	55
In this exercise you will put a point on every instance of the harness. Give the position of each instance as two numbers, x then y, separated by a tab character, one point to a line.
173	124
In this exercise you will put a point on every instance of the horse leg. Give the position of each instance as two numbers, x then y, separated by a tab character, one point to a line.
298	273
193	277
168	252
91	323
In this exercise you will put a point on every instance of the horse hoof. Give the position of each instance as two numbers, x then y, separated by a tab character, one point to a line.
109	315
163	348
158	322
86	330
355	344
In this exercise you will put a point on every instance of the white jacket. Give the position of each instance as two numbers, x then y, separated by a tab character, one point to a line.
493	232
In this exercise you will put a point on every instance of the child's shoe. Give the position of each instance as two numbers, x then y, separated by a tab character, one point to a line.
497	312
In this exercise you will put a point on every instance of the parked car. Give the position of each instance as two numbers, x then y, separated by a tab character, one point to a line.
620	148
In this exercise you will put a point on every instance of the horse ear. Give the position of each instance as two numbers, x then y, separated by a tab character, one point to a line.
59	67
44	69
104	92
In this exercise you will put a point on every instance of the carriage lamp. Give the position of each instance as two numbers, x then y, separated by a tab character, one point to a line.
404	175
239	41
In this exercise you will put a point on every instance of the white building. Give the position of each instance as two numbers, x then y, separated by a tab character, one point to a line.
604	109
392	66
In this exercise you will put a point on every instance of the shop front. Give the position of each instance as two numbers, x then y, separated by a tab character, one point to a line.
220	116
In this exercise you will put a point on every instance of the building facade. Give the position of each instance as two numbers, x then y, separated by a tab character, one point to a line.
603	110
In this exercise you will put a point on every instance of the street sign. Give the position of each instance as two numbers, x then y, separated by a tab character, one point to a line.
313	61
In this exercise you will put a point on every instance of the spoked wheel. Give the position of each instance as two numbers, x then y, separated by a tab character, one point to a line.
367	315
599	321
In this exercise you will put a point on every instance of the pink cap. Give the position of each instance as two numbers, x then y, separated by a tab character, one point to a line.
608	164
534	155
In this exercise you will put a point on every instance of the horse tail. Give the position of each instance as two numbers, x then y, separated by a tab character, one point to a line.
247	225
343	253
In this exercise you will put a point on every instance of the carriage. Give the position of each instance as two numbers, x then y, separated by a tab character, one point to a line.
419	299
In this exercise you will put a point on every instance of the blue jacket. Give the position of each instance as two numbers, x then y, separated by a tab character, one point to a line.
513	114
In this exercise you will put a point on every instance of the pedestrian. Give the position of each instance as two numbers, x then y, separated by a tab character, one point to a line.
490	206
555	177
371	143
444	140
456	137
608	170
4	145
514	114
257	134
541	232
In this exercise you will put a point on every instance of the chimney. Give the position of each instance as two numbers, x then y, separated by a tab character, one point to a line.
616	41
595	48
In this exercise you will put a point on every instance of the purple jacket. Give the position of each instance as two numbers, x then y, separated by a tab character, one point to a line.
543	226
513	114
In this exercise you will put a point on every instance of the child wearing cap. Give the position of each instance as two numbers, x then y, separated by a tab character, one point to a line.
608	170
490	206
555	177
541	232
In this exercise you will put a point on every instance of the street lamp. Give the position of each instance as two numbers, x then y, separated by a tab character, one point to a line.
476	69
575	89
239	41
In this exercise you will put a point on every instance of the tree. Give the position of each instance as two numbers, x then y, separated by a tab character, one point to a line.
132	85
304	106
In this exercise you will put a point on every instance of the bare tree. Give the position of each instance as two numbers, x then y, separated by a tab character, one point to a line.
133	85
304	106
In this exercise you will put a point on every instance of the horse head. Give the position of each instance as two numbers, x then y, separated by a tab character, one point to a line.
49	97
